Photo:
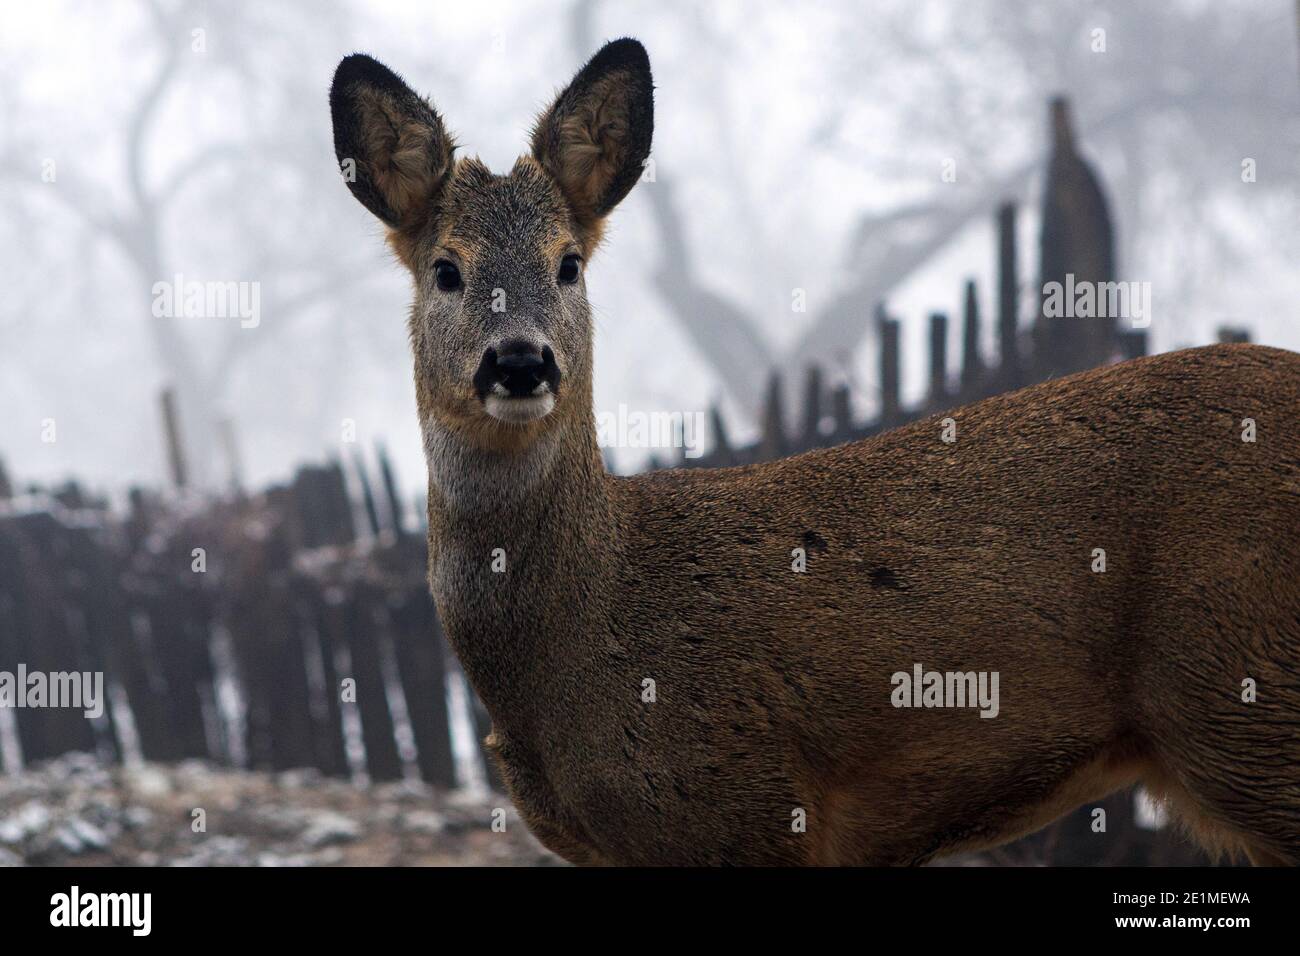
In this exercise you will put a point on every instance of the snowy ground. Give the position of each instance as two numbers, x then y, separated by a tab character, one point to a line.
73	811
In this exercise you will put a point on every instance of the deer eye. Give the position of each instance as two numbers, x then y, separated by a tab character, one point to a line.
447	275
570	269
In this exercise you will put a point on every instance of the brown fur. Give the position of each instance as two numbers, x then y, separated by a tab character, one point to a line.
772	688
585	148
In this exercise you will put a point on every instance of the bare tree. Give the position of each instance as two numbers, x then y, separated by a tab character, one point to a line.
145	223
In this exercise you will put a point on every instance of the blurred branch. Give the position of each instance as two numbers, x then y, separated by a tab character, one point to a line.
721	331
142	120
195	166
288	310
76	200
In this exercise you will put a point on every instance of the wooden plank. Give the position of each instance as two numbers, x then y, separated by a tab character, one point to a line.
972	367
329	748
44	640
890	405
421	660
396	518
938	359
96	613
246	616
289	704
812	408
842	412
179	621
773	443
367	495
363	633
1009	374
722	454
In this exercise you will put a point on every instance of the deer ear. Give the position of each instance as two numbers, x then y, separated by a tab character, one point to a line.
596	136
391	145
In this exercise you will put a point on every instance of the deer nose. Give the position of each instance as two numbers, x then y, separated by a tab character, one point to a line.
518	369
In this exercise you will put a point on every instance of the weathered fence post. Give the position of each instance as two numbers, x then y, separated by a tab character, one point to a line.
722	454
322	511
1010	375
772	444
395	516
419	647
362	610
367	495
938	358
842	412
177	631
812	409
890	407
329	743
972	369
283	632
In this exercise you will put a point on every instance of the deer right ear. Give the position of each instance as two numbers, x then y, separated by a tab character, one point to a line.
596	136
392	148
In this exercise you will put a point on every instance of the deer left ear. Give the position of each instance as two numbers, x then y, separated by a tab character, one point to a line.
596	136
391	141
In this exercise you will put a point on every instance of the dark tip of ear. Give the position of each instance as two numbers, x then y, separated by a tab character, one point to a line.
361	68
624	52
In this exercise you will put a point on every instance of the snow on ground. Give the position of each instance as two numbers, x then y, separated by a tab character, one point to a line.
73	811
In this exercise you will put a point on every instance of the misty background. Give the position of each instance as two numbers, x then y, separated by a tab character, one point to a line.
797	147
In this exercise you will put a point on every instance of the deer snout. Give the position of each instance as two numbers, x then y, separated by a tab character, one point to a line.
517	369
518	381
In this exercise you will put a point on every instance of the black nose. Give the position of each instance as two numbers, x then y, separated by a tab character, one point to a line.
519	367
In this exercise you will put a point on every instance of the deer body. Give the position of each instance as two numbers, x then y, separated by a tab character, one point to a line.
666	687
773	687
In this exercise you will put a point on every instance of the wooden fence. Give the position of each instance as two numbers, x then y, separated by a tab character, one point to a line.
1076	239
262	631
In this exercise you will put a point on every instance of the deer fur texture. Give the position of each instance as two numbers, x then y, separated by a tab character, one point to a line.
772	688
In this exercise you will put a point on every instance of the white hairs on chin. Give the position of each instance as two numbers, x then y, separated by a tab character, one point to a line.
518	411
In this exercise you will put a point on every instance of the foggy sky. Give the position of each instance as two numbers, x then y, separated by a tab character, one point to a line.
785	137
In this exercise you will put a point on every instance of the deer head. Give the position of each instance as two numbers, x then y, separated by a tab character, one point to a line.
500	327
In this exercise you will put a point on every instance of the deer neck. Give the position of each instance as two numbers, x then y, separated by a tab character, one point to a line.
520	543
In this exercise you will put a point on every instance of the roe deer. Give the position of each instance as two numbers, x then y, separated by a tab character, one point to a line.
664	687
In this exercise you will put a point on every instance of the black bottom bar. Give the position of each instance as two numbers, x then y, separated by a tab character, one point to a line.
331	906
